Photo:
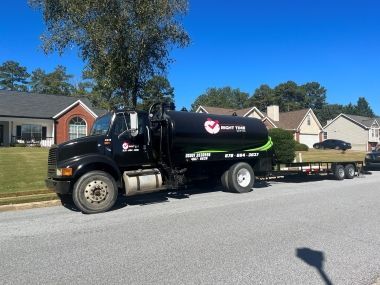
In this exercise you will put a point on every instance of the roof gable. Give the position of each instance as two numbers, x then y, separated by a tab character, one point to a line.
364	122
72	106
311	113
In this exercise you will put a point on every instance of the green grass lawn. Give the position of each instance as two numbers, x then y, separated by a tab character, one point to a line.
22	169
331	155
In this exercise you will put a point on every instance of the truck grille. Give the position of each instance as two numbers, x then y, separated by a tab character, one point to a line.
52	161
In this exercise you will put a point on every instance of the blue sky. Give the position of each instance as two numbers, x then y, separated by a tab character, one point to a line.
244	44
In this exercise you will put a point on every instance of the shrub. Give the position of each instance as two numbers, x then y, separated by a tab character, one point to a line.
301	147
283	145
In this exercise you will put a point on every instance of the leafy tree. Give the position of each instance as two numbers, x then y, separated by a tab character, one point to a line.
124	43
13	76
329	112
283	145
56	82
363	108
349	109
315	95
157	89
37	81
263	97
290	96
225	97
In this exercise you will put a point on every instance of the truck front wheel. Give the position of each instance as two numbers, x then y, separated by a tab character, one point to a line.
240	178
95	192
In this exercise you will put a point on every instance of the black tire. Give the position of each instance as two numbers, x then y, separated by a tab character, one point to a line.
317	146
349	171
95	192
224	180
339	172
240	178
337	148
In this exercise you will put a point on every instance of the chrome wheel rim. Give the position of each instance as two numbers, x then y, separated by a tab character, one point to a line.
243	177
351	171
96	191
341	172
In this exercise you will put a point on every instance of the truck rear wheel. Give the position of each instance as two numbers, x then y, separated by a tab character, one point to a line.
349	171
339	172
240	178
224	180
95	192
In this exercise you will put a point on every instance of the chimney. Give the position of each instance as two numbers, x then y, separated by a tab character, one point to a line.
273	112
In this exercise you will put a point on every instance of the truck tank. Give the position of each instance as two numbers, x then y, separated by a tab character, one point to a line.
199	132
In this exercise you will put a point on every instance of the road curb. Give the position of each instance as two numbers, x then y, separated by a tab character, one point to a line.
24	206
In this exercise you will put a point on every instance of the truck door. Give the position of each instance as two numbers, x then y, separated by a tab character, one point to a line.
131	147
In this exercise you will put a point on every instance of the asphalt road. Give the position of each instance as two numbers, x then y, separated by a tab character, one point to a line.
316	232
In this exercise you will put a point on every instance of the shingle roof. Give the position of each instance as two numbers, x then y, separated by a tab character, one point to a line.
366	121
291	120
33	105
219	111
225	111
288	120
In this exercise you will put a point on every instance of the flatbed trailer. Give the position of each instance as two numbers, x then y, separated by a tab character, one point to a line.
340	170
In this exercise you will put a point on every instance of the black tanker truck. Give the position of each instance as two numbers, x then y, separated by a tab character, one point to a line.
132	152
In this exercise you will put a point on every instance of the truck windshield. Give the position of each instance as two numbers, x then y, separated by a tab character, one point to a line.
101	125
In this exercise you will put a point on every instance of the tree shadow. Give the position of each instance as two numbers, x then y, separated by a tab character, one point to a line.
314	258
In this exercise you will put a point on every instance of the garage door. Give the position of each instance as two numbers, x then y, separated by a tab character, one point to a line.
309	140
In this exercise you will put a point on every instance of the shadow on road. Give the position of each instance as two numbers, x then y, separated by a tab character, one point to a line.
163	196
314	258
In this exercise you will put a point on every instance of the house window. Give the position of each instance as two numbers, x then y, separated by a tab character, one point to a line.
324	135
31	132
308	120
77	128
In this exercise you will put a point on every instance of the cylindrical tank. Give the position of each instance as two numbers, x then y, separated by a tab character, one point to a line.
195	132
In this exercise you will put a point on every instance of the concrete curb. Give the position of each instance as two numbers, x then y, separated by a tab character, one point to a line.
24	206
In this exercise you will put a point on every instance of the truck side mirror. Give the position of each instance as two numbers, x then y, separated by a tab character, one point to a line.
134	124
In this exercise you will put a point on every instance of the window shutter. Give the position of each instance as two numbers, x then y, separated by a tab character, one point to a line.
18	131
44	131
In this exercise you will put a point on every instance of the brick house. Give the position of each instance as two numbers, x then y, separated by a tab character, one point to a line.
304	124
44	119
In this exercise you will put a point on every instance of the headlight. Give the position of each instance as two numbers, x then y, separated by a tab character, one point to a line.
64	171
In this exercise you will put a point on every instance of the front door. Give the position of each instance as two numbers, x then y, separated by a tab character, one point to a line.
131	150
1	135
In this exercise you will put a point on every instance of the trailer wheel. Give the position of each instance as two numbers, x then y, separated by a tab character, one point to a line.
349	171
240	178
339	173
95	192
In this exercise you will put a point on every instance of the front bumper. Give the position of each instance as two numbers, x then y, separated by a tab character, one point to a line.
58	186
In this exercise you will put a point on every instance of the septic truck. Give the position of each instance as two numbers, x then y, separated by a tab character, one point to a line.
132	152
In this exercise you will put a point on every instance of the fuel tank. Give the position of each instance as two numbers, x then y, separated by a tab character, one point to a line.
200	132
